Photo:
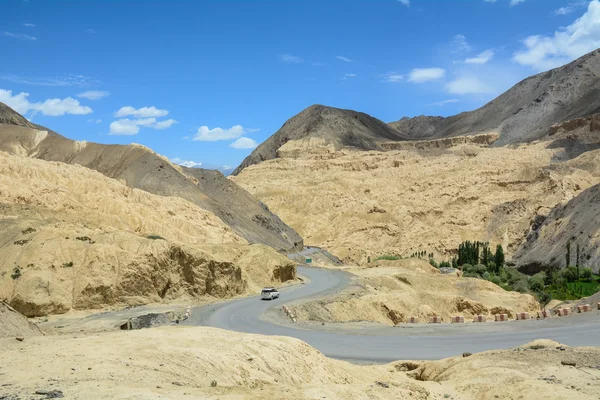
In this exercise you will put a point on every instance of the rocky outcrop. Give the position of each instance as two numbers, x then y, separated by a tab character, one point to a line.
73	238
13	324
576	221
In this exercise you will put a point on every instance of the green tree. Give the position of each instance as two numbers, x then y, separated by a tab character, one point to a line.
577	261
454	262
499	257
568	255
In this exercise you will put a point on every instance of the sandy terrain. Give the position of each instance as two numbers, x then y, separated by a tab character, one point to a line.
365	204
390	292
75	239
211	363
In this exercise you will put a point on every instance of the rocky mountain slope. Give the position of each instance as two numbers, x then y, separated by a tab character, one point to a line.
335	127
524	113
527	110
139	167
360	205
576	142
73	238
577	221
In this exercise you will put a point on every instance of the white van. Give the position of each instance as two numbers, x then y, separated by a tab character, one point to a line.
269	293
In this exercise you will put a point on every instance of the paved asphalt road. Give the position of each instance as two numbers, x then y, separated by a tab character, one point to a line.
244	315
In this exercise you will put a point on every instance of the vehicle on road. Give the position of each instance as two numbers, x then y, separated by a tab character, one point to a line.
269	293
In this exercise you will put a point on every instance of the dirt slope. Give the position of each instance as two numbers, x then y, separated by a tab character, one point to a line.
359	204
13	324
73	238
210	363
390	292
139	167
527	110
334	126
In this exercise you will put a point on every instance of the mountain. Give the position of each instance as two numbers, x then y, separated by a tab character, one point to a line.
526	111
578	221
334	126
141	168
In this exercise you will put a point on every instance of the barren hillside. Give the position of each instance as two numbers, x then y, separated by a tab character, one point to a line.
430	197
526	111
73	238
139	167
335	127
211	363
390	292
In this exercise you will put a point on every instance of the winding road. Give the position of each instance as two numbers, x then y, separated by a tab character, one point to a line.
386	344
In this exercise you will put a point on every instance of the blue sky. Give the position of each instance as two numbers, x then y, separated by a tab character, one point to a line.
205	81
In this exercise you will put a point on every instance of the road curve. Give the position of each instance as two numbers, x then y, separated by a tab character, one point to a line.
244	315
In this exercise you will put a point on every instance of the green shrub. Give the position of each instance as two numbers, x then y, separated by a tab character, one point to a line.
570	274
470	275
432	263
28	230
486	275
495	279
85	239
587	274
22	242
16	273
536	284
520	286
388	257
67	265
478	269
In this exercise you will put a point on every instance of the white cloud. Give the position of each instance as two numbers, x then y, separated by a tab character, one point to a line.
288	58
405	2
468	85
66	80
420	75
50	107
164	124
346	76
515	2
393	77
563	10
94	121
127	126
546	52
490	1
443	102
345	59
460	44
141	112
185	163
93	94
21	36
244	143
29	25
569	8
481	58
205	134
90	31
